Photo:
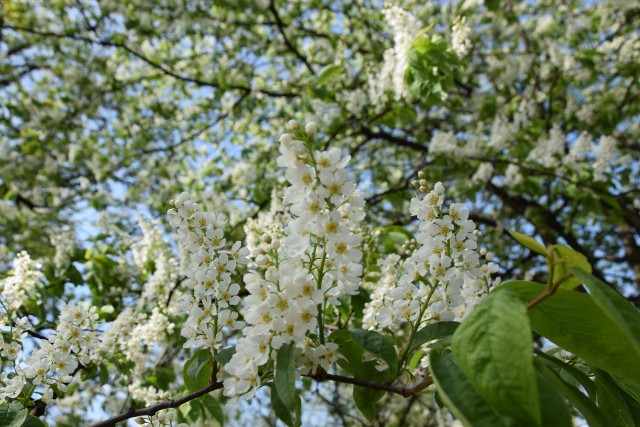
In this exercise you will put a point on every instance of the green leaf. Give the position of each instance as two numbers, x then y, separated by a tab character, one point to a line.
282	411
587	408
611	400
493	347
285	375
380	345
554	411
565	259
574	322
197	370
365	399
459	396
578	377
224	356
529	242
12	414
625	316
32	421
213	407
432	332
633	390
327	73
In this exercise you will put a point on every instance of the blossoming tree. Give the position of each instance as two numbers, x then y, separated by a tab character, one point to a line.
340	212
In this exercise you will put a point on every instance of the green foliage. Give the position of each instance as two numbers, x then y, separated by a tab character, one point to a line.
432	68
197	370
493	347
12	414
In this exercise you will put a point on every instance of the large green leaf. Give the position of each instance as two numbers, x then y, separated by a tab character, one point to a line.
568	373
459	396
574	322
587	408
611	400
554	411
494	348
197	370
615	306
285	375
432	332
380	345
12	414
366	400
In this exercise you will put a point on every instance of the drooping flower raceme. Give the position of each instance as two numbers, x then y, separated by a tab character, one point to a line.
209	273
302	265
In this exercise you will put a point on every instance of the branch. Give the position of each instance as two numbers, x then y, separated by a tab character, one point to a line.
292	48
405	392
148	61
151	410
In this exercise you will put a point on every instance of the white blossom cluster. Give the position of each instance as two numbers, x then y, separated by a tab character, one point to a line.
212	293
460	42
58	357
15	289
302	267
152	249
404	28
444	278
64	242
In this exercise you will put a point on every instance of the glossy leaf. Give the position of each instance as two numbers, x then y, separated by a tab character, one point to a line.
611	400
565	259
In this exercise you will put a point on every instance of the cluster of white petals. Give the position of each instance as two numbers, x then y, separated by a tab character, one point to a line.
444	278
302	265
212	294
15	289
57	358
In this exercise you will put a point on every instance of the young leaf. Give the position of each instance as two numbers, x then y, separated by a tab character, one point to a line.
459	396
285	375
380	345
565	260
493	347
529	242
432	332
574	322
197	370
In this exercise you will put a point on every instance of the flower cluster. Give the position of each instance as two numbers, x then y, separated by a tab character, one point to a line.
444	277
212	291
15	290
302	266
57	359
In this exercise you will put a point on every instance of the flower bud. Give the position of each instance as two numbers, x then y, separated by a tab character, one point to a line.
311	128
293	125
422	175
